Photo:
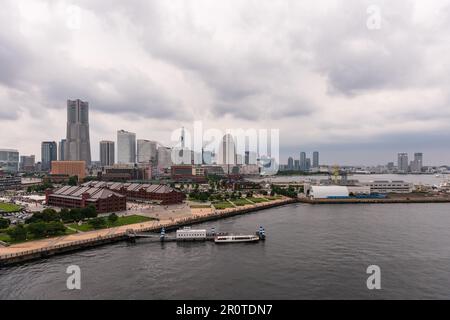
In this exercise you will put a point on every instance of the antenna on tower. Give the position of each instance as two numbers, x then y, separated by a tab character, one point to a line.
182	138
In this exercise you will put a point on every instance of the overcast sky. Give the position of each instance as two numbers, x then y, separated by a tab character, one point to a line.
324	72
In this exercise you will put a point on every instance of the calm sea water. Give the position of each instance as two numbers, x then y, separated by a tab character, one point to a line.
312	252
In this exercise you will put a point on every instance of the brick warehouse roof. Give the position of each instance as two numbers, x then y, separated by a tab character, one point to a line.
77	192
151	188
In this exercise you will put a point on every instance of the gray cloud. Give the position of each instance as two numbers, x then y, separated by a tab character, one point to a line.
312	69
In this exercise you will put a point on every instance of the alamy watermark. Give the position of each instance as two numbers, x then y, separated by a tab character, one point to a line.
73	17
374	17
73	282
234	146
374	280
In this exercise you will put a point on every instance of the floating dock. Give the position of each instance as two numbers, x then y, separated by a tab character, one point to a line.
189	235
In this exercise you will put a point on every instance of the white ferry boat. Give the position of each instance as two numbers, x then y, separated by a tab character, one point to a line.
236	238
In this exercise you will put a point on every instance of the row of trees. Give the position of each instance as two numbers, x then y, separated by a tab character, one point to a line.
209	195
50	223
100	223
37	230
289	192
40	187
65	215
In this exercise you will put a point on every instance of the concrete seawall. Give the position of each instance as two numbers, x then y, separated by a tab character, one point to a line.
375	201
112	235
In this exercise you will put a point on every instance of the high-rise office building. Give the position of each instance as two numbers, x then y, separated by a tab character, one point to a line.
107	153
49	153
164	157
402	162
315	163
297	165
417	164
27	163
78	147
227	151
308	164
290	165
302	161
9	160
62	150
126	147
147	151
251	157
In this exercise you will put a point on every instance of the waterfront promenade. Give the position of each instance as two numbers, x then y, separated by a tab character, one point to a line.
47	247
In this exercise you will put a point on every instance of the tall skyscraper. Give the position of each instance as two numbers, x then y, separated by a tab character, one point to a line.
49	153
62	150
164	157
315	163
227	151
297	165
78	146
302	161
107	153
146	151
290	164
27	163
308	164
402	162
9	160
417	164
126	147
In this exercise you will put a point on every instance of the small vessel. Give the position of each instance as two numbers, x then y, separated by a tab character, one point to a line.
236	238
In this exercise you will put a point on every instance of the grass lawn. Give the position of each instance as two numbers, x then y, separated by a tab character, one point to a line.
241	202
223	205
257	200
4	237
9	207
122	221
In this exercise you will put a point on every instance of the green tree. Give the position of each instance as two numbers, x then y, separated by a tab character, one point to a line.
55	228
18	233
112	218
65	215
4	223
98	223
73	181
75	214
37	229
46	215
89	212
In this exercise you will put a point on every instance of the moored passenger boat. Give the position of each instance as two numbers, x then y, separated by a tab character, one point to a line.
236	238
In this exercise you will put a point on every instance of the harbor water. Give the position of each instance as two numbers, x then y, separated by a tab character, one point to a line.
311	252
